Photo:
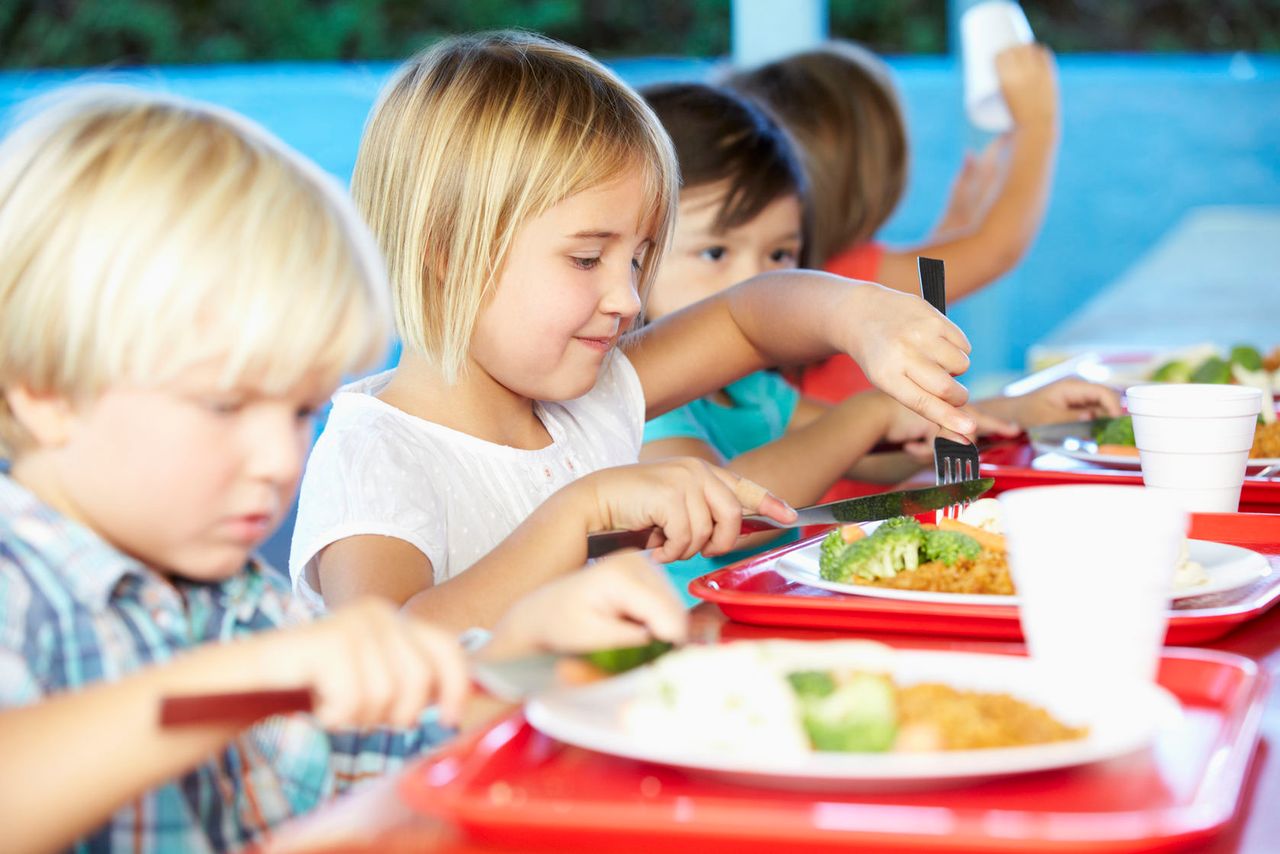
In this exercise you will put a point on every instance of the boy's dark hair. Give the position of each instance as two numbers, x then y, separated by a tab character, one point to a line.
839	103
721	136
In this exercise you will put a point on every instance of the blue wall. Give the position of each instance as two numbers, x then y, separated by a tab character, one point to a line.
1144	139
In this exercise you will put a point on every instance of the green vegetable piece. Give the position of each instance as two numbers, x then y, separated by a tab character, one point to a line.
860	715
949	547
1175	371
1212	370
893	547
626	658
1114	431
1246	357
812	684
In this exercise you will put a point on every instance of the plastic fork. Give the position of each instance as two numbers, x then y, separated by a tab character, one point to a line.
952	461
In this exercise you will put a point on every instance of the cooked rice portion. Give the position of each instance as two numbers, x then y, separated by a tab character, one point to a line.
968	720
988	574
1266	441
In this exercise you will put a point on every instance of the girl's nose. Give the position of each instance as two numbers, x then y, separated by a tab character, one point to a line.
621	297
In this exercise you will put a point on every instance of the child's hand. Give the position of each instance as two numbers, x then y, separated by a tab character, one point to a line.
369	665
917	434
910	351
696	506
621	600
1065	400
975	186
1028	80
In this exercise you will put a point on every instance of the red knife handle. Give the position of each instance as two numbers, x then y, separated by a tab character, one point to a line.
233	706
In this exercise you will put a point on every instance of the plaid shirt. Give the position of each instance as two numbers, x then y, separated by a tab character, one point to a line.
74	611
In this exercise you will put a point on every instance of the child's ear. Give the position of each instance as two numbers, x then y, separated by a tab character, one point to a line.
47	417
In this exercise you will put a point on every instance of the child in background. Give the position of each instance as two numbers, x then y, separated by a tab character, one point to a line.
741	213
179	293
840	104
523	196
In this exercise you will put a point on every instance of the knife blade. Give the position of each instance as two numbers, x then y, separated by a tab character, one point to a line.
907	502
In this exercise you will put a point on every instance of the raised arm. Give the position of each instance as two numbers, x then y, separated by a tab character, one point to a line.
999	238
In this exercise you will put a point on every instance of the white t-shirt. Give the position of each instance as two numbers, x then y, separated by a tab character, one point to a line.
379	470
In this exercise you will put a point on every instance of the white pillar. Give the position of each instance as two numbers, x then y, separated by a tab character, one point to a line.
765	30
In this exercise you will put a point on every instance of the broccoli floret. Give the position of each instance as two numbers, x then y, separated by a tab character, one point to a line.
811	684
622	659
893	547
901	545
859	714
1114	431
907	523
949	547
1175	371
1246	357
1212	370
863	558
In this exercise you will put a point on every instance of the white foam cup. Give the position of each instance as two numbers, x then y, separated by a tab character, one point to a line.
985	30
1194	440
1093	566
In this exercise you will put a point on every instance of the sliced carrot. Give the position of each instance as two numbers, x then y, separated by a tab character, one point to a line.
1118	450
851	533
986	539
928	526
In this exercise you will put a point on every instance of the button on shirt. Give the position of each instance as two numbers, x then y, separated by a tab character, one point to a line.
74	611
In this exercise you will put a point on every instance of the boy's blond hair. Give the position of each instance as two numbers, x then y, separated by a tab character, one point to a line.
839	103
473	138
141	233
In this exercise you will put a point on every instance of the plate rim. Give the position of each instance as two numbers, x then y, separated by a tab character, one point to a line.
1159	703
994	600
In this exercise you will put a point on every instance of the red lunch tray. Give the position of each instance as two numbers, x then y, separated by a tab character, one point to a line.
752	591
1015	465
511	785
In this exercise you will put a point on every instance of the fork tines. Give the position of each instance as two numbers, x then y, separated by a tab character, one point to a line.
954	462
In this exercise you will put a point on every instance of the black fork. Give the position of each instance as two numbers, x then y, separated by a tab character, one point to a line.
952	461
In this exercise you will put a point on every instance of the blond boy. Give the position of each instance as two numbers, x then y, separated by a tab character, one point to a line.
179	293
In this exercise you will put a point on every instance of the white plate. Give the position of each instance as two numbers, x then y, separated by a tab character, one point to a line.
1075	441
1228	567
1119	723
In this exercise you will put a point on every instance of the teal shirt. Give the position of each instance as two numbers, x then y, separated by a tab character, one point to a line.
762	406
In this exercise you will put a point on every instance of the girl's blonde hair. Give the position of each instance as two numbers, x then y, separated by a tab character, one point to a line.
840	105
142	233
473	138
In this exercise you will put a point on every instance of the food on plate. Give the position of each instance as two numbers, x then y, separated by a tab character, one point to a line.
1115	437
1114	431
904	554
1266	441
1209	366
793	698
965	555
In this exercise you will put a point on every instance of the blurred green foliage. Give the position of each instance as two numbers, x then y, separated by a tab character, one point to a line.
51	33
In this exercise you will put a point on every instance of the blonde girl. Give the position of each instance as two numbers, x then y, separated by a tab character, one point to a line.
523	197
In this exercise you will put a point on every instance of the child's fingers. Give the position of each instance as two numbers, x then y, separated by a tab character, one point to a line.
651	601
935	408
991	425
700	524
449	668
726	508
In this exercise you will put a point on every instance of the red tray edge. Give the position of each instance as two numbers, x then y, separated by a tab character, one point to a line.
1217	803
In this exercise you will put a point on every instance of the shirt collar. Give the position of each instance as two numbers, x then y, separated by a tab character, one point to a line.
90	567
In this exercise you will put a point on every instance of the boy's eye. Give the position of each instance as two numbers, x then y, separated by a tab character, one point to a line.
585	263
780	256
223	406
712	253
